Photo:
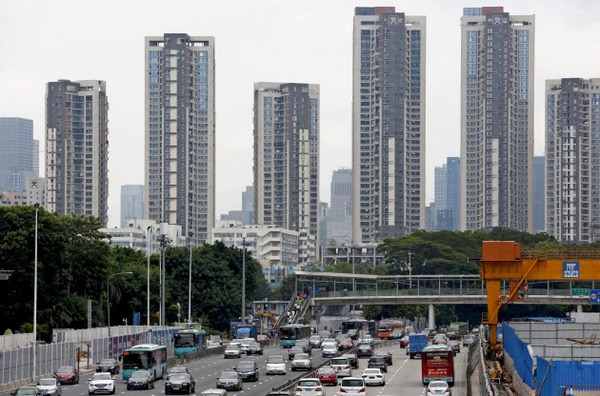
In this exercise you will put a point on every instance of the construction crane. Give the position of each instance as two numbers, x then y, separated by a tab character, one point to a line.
504	261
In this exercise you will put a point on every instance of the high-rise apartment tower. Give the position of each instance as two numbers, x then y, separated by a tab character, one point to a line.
496	119
388	123
18	154
180	133
286	156
77	148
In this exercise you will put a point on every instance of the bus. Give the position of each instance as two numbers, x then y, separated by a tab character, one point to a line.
189	340
461	327
149	357
362	325
437	364
288	334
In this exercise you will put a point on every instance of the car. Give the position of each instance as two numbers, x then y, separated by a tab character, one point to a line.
455	345
254	348
364	350
309	387
453	335
353	386
329	350
404	341
49	387
232	351
230	380
179	369
369	339
262	339
396	334
245	343
439	339
341	366
387	356
438	388
180	383
373	376
109	365
215	339
248	370
302	361
352	358
27	391
468	340
279	393
352	334
67	375
378	362
345	344
214	392
315	341
276	365
294	350
327	375
140	379
305	344
236	341
324	334
101	383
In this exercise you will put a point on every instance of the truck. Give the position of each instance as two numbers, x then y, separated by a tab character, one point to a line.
416	344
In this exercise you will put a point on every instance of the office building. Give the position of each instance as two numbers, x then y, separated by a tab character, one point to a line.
339	217
388	124
446	211
17	160
246	215
539	193
132	203
497	77
572	152
286	156
77	148
180	133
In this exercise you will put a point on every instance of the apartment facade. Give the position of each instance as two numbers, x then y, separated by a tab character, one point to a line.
180	132
572	152
497	79
286	156
19	160
388	123
77	148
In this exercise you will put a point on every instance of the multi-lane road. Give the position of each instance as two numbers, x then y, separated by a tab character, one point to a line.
402	378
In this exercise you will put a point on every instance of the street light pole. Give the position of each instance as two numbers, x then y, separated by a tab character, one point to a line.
243	280
108	295
35	279
149	240
190	281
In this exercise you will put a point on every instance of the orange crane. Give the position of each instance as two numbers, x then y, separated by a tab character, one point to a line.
504	261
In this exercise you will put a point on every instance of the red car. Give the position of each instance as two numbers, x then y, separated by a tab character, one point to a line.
327	375
345	343
404	342
67	375
262	339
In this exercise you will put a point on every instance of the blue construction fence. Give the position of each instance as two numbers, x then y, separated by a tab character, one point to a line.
550	378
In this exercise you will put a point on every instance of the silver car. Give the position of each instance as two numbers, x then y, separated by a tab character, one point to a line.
276	365
101	383
341	366
49	387
302	361
232	351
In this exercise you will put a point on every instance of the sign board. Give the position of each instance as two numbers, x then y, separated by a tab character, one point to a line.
595	296
570	269
580	291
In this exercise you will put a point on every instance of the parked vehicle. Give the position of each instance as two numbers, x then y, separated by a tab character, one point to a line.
109	365
49	387
230	380
67	375
327	375
181	383
373	376
140	379
101	383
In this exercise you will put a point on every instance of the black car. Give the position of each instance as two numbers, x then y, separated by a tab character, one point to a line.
140	379
229	380
364	350
254	348
352	359
248	370
27	391
305	344
387	356
108	365
378	362
180	383
294	350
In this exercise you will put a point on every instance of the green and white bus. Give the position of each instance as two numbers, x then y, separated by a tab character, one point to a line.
288	334
149	357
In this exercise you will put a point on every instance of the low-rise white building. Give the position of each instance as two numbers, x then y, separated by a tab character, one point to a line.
145	235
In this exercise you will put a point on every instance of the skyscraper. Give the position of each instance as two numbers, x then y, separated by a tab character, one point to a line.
339	219
132	203
388	123
17	163
447	196
286	156
77	148
496	119
180	133
572	152
539	193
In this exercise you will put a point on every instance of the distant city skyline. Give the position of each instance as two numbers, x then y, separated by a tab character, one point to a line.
562	28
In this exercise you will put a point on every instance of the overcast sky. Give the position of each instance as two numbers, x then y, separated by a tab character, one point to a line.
307	41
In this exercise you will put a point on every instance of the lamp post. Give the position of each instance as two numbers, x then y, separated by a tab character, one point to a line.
108	295
35	276
149	240
243	280
190	235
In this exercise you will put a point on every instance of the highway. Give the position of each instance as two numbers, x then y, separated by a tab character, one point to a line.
403	377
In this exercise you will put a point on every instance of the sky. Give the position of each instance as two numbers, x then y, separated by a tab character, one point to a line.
308	41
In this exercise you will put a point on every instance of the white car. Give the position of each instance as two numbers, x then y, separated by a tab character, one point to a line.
373	376
329	349
368	339
302	361
309	387
235	341
438	388
101	383
232	351
276	365
341	366
353	386
49	387
245	343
